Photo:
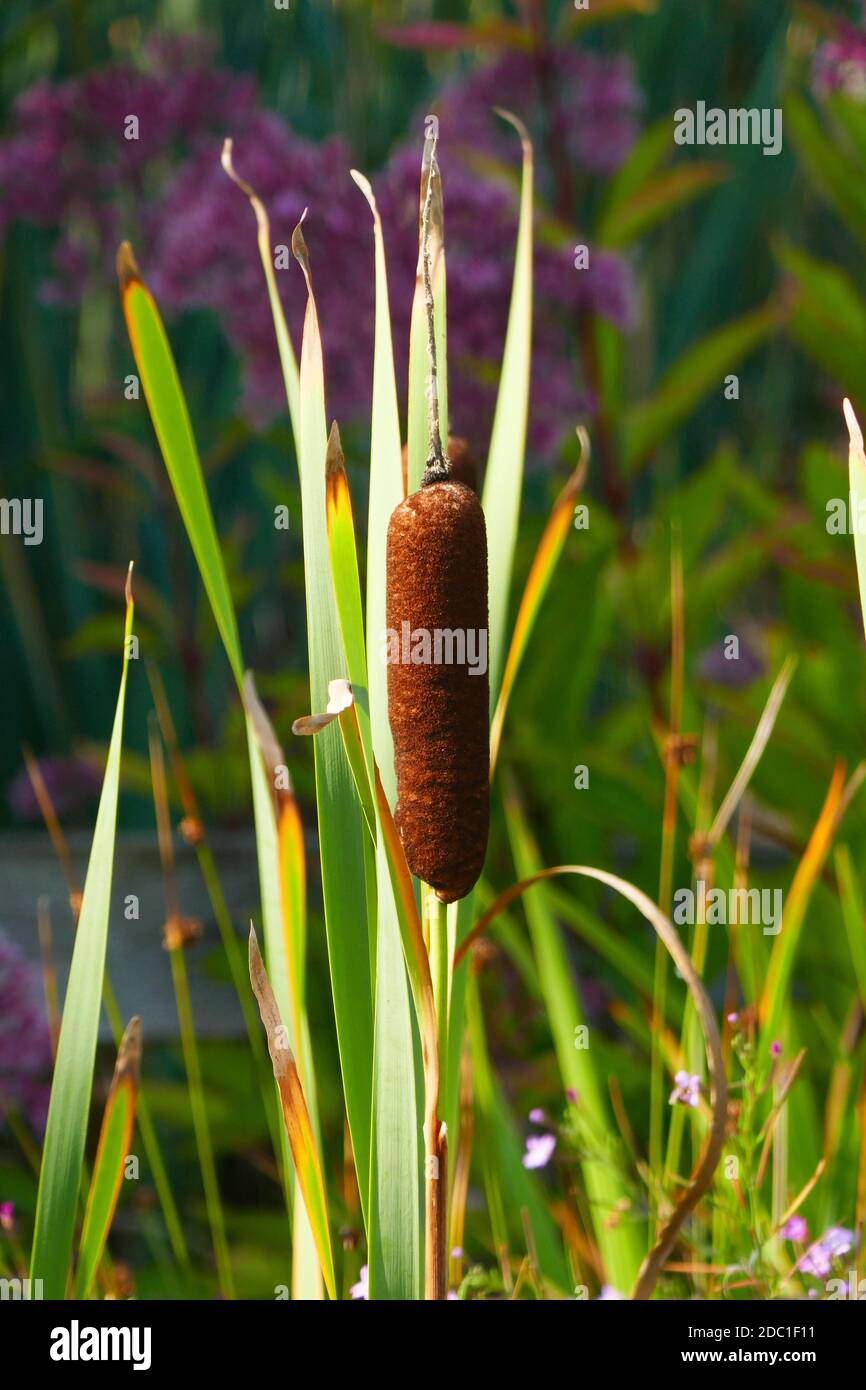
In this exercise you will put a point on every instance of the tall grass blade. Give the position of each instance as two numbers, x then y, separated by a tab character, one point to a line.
146	1129
66	1130
171	422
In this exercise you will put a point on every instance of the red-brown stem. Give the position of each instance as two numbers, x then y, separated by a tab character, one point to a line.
435	1207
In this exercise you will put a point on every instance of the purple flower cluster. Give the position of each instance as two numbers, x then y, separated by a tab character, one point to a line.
68	163
589	106
840	63
25	1044
75	161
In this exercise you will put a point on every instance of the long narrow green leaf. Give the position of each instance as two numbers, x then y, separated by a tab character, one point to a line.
854	916
540	576
66	1130
504	477
295	1114
288	361
306	1278
857	498
288	981
395	1253
170	416
165	401
775	998
115	1139
341	848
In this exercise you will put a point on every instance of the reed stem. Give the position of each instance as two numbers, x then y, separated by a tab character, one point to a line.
666	867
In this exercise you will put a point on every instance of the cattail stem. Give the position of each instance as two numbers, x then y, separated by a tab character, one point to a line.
440	968
435	1205
435	914
437	469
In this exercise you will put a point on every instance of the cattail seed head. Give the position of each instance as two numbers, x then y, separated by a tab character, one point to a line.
438	683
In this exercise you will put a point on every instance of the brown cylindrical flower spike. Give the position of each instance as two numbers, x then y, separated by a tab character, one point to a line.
436	649
438	688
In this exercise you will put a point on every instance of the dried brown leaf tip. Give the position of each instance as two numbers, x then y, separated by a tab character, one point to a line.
438	687
128	272
275	1033
129	1054
340	697
300	251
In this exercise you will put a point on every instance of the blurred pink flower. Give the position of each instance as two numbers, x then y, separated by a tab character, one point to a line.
687	1090
795	1228
539	1150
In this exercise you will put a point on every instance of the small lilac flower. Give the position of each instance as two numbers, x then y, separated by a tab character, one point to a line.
572	1096
818	1259
457	1252
775	1049
687	1090
610	1295
7	1215
838	1240
795	1228
732	1018
539	1150
361	1289
537	1116
451	1297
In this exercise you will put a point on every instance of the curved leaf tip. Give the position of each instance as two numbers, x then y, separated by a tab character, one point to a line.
128	272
